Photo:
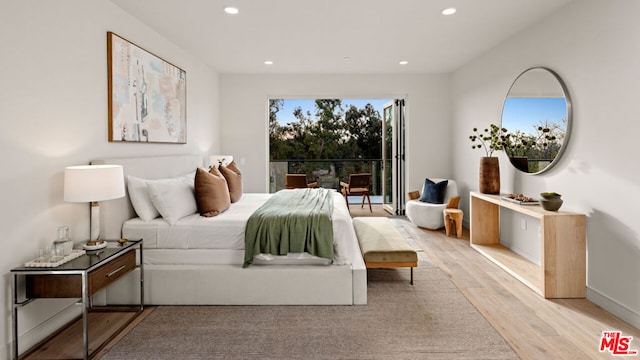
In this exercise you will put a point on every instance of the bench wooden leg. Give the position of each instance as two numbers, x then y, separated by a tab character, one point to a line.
410	265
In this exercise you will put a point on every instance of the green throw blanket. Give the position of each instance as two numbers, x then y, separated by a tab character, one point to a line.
297	220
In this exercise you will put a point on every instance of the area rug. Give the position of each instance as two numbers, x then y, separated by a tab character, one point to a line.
430	320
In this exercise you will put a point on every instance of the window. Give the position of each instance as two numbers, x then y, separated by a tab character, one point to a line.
327	139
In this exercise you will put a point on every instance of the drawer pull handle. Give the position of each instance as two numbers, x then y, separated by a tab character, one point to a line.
116	271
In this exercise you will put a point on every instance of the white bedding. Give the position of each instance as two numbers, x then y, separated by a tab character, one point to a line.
220	239
183	277
225	257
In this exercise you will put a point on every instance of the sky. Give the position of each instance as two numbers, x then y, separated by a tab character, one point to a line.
522	113
285	115
518	113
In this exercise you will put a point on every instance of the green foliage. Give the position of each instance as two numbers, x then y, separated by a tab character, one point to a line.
490	140
543	143
330	133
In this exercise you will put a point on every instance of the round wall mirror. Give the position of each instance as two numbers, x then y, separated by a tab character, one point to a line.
537	117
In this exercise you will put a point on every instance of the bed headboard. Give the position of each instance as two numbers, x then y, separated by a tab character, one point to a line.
113	213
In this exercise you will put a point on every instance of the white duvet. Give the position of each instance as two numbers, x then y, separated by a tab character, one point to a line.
225	232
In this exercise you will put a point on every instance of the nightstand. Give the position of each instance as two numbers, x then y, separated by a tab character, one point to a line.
81	278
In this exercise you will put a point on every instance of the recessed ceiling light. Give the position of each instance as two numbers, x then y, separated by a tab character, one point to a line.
268	62
403	62
231	10
449	11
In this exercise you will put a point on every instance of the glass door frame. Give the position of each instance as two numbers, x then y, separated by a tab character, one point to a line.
393	157
388	111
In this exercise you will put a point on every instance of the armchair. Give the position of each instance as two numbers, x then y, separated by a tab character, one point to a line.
359	185
428	215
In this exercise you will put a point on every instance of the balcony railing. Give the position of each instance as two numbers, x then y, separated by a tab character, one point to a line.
328	173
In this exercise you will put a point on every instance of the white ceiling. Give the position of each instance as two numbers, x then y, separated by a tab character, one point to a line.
315	36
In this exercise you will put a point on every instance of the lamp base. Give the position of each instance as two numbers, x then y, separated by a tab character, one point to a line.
94	245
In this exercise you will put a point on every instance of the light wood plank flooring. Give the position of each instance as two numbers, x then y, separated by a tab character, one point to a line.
67	343
536	328
357	210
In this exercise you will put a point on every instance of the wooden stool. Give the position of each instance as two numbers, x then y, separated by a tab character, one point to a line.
455	216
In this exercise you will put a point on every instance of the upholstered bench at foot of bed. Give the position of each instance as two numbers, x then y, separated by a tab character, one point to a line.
382	245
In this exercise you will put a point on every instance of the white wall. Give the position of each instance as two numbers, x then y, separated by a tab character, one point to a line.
593	45
244	110
53	113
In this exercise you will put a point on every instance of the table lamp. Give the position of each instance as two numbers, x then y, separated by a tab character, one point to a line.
93	183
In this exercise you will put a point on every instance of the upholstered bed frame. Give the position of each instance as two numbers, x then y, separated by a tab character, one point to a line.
223	284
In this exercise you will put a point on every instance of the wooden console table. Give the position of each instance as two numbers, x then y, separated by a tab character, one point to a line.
562	272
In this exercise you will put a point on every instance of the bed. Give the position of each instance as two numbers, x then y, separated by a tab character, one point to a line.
195	271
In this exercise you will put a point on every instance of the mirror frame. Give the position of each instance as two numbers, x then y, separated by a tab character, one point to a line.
569	116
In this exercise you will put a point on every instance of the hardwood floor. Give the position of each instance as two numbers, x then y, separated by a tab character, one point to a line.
536	328
377	210
67	342
147	310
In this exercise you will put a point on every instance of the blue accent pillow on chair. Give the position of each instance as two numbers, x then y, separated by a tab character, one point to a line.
434	192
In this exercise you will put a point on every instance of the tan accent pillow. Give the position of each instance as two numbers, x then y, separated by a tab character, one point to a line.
212	193
234	180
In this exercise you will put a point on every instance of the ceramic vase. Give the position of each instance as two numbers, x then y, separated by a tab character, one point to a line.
489	175
551	202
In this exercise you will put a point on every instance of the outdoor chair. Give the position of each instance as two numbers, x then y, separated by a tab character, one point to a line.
359	185
298	181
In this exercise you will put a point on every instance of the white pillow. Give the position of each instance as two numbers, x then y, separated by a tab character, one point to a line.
173	198
140	199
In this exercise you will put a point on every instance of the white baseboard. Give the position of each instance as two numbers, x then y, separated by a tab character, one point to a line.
624	313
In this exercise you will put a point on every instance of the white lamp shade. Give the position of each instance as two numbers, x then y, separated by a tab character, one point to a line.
89	183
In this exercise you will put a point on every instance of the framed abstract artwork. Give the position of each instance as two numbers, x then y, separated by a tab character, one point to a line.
147	95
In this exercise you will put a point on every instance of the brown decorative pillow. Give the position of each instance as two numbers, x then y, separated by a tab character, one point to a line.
212	193
234	180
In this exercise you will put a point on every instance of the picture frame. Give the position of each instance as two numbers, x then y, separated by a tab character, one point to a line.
147	95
